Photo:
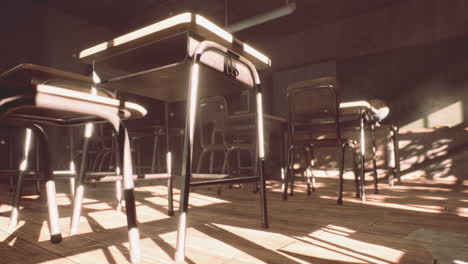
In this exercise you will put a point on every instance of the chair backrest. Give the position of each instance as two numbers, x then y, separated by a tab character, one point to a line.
313	103
212	120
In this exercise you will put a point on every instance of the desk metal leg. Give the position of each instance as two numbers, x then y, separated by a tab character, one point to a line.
374	161
188	143
170	182
261	156
72	163
187	162
363	154
79	191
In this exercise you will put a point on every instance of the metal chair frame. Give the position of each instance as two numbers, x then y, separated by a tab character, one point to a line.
309	145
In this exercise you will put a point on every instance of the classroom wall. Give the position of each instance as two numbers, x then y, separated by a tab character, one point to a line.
412	54
33	33
397	24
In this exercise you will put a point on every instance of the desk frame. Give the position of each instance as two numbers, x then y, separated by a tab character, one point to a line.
192	106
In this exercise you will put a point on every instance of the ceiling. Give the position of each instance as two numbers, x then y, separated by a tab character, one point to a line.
122	16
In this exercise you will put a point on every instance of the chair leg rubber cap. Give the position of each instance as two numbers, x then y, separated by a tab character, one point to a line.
170	213
55	239
339	202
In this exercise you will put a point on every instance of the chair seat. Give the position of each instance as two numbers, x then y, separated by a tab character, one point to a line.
324	81
34	80
325	142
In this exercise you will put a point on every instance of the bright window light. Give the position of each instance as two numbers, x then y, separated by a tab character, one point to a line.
419	123
451	115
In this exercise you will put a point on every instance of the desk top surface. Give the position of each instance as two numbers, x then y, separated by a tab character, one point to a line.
185	22
377	109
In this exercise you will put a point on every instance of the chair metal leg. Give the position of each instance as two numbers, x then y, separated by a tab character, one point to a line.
397	153
46	173
374	161
363	154
170	181
118	195
19	183
125	159
72	163
16	200
11	184
153	156
340	185
118	169
10	158
38	186
170	185
79	191
355	170
292	178
200	160
38	177
239	165
308	172
312	164
282	158
288	172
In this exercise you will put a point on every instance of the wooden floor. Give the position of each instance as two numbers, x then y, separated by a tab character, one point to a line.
417	222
